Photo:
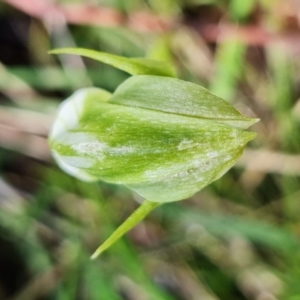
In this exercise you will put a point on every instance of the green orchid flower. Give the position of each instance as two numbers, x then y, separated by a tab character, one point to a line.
162	137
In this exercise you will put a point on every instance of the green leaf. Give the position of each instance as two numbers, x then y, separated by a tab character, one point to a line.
178	97
142	211
133	66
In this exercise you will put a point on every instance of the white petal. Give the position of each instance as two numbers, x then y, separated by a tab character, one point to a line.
78	173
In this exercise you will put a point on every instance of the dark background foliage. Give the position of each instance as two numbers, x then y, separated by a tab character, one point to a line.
236	239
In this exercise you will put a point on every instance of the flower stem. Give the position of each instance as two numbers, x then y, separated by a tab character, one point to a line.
139	214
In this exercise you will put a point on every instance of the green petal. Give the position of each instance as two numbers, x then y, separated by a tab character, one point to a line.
179	97
186	183
133	66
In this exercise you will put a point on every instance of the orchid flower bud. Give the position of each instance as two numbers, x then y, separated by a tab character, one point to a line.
162	137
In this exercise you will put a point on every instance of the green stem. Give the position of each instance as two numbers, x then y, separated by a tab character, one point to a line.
139	214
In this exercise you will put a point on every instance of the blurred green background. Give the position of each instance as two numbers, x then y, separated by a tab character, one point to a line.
237	239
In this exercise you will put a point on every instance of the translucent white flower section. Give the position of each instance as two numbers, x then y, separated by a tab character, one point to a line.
64	132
